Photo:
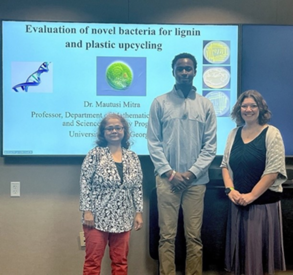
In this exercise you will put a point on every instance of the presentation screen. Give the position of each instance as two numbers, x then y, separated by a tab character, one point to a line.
267	66
61	78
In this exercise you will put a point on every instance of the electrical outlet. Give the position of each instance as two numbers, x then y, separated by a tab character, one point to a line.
81	239
15	189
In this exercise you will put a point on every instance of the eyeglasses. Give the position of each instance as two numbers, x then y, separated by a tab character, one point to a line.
251	106
116	128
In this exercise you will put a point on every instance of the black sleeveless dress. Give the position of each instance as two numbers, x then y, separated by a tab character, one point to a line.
248	161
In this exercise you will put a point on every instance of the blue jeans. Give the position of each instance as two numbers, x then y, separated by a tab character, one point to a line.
192	202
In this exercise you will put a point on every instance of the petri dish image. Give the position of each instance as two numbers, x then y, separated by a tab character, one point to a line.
119	75
220	101
216	52
216	77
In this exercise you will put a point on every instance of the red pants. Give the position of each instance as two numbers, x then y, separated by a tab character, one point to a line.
95	244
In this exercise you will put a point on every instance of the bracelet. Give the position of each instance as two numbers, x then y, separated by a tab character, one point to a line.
172	175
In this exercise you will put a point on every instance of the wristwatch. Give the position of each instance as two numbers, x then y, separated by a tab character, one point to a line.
228	190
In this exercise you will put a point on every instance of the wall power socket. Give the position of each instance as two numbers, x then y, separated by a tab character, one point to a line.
15	189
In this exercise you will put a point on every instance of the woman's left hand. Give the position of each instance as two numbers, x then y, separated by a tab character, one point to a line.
138	221
246	199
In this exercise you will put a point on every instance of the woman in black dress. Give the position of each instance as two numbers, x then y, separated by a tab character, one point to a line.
253	169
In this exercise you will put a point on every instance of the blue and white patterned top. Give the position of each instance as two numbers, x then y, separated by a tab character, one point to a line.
113	202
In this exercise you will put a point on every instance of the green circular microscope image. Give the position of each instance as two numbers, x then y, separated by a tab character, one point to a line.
119	75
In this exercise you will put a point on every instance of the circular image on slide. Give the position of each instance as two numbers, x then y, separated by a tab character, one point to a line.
119	75
216	77
220	101
216	52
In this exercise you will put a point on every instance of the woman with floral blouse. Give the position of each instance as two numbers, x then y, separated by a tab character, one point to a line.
110	196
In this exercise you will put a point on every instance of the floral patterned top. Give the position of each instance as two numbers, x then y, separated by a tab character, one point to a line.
112	201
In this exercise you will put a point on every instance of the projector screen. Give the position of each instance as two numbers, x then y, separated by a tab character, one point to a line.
61	78
267	66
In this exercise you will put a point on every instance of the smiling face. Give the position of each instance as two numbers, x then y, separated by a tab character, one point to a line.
249	111
114	131
184	72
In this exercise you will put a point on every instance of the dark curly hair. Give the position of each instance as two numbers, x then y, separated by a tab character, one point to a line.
102	142
184	55
264	112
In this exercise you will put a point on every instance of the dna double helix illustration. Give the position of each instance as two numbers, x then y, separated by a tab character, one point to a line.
34	79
